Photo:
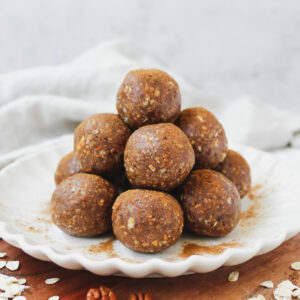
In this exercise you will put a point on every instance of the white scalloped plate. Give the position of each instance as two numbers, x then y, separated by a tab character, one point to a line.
270	216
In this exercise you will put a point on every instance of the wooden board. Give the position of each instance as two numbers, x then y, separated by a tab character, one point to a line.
212	286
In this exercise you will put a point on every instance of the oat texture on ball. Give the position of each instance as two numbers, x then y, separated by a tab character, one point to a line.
67	167
236	168
148	96
99	143
206	135
211	203
147	221
81	205
158	156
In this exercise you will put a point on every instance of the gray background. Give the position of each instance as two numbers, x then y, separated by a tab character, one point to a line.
228	48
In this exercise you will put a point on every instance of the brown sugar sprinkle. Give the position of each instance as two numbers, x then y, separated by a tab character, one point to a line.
250	214
140	296
34	230
44	220
27	227
47	209
252	193
106	247
196	249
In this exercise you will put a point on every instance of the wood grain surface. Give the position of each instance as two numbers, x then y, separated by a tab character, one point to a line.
212	286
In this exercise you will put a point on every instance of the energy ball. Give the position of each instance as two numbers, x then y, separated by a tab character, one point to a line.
206	135
67	167
81	205
147	221
211	203
148	96
99	144
158	157
236	168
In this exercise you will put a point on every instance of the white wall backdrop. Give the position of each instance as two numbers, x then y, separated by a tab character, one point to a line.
229	48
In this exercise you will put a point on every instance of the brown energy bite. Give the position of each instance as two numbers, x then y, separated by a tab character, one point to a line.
148	96
206	135
81	205
67	167
211	203
236	168
99	143
147	221
158	157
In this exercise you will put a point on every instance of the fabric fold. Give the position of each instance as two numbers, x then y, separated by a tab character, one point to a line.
43	104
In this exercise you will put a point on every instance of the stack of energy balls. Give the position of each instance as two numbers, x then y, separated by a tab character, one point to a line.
127	170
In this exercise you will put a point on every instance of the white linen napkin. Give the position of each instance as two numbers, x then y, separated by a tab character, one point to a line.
41	105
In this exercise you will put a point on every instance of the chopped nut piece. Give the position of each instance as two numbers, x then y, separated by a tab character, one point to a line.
233	276
296	266
152	168
140	296
12	265
267	284
2	254
102	293
52	280
130	223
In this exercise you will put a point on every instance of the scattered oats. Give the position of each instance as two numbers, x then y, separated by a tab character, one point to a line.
233	276
13	265
54	298
52	280
2	264
10	287
199	148
2	254
267	284
296	293
19	298
258	297
22	281
285	290
295	266
229	200
130	223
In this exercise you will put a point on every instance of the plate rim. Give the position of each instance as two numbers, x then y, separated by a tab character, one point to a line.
153	266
